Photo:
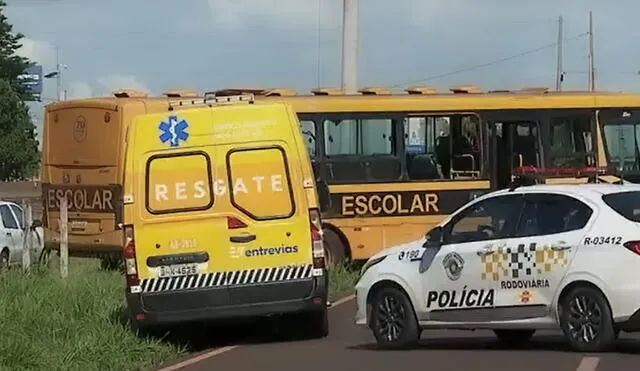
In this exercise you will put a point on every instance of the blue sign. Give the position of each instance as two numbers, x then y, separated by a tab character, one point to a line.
173	131
32	80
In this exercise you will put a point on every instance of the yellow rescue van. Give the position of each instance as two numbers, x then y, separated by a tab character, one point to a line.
221	216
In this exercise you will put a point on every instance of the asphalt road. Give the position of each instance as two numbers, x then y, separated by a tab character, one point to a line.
349	347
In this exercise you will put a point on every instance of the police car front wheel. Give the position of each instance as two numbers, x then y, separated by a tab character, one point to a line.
393	320
585	318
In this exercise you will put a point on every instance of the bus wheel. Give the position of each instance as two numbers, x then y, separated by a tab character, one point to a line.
334	250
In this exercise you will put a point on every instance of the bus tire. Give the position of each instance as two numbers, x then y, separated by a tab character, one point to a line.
334	249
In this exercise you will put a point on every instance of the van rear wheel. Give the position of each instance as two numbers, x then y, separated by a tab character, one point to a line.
334	249
317	324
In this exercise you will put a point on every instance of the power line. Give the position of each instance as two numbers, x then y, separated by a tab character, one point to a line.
487	64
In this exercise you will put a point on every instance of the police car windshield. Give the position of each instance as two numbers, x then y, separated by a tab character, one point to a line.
626	204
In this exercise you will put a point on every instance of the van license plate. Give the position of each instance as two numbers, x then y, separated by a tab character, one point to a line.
178	270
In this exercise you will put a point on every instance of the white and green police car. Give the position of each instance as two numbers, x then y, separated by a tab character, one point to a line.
515	261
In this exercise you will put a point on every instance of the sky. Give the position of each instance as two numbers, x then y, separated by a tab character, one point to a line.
154	45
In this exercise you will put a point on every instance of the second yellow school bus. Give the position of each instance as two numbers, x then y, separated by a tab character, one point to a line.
396	164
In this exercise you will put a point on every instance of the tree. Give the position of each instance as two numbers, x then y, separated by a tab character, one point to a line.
19	155
11	65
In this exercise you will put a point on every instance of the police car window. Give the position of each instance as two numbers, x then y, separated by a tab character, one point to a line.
626	204
485	220
19	214
7	217
545	214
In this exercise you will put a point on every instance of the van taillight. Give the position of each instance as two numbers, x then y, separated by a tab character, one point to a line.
316	239
633	246
130	256
235	223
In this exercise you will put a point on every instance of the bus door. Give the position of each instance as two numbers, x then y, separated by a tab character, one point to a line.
515	146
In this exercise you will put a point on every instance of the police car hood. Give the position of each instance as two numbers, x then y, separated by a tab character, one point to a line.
413	245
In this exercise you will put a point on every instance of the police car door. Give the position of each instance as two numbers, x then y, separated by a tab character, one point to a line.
456	280
545	241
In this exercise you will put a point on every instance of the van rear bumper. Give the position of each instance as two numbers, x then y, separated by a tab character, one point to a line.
233	302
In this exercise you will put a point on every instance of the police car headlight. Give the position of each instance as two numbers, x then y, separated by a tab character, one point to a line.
370	263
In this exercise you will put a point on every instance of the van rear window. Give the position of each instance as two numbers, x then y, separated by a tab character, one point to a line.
261	183
179	182
626	204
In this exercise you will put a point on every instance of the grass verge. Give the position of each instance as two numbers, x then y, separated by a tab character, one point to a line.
74	324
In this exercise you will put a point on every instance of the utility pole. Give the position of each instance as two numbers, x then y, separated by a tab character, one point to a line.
350	46
58	76
559	67
592	68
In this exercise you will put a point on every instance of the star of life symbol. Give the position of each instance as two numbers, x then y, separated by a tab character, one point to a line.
173	131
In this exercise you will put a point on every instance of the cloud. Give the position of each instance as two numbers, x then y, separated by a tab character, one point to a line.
104	86
113	82
282	14
79	89
38	51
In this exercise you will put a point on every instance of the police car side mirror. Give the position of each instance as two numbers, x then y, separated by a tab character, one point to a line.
432	246
433	238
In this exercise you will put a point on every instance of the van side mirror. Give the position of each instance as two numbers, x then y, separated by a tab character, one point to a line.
37	223
323	195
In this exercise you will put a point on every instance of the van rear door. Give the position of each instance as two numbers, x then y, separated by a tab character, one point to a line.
180	241
268	230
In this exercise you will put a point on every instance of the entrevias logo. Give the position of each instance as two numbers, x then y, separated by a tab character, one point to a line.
262	251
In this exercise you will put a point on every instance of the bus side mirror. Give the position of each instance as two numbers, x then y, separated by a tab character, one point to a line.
323	195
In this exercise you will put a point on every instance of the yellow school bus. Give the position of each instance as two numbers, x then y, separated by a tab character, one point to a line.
83	161
393	164
396	164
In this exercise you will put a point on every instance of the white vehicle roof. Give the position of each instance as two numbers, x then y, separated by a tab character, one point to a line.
8	203
586	190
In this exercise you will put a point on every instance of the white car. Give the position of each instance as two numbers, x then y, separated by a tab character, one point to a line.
12	232
515	261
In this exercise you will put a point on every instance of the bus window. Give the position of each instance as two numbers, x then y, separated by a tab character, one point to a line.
622	139
459	152
430	152
361	150
420	146
525	144
308	128
570	142
358	137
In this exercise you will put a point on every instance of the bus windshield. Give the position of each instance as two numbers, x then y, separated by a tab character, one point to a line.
622	136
